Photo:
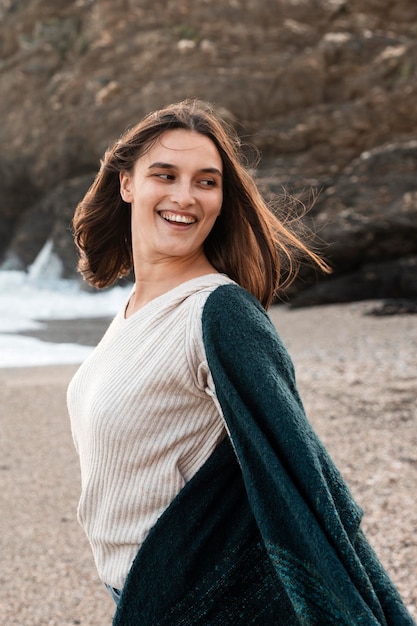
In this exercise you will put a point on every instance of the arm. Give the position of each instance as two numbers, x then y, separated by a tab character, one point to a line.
306	515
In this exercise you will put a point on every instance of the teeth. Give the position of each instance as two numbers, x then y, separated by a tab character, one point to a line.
174	217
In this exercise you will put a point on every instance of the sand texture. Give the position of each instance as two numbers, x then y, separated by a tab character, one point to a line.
357	377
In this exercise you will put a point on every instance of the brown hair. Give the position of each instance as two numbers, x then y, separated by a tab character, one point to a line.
248	242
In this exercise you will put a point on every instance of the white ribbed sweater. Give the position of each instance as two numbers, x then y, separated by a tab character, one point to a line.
144	418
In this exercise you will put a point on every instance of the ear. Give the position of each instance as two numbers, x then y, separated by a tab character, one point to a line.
126	186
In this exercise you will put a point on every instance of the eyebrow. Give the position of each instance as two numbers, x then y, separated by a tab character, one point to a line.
170	166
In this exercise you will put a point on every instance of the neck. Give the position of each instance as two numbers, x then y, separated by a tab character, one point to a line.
155	279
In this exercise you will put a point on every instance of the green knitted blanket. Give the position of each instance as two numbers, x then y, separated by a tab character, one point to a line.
266	532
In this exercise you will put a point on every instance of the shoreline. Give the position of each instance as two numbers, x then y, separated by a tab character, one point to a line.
87	331
82	331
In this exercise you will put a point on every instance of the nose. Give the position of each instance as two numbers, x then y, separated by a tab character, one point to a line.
182	194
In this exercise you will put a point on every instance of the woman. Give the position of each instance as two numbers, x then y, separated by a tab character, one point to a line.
206	496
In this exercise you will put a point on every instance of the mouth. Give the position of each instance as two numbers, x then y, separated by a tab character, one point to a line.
177	218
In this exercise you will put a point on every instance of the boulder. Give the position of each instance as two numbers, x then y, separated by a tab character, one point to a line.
49	219
325	90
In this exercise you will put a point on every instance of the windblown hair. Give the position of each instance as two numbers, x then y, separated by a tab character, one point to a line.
248	242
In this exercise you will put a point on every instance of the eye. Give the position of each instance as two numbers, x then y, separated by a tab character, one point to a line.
208	182
164	176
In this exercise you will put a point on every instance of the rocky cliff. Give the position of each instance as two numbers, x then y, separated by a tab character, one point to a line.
325	89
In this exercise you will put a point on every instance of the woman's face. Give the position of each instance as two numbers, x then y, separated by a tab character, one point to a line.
175	191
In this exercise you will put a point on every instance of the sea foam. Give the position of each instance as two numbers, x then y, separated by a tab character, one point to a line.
29	299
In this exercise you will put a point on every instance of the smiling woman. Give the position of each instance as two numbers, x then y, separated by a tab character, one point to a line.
247	242
206	496
175	193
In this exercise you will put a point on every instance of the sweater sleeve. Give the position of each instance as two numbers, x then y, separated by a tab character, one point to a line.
306	515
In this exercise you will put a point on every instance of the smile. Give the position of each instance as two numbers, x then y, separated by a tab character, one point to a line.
177	218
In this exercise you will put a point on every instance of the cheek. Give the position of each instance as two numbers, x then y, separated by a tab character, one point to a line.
214	214
147	198
216	204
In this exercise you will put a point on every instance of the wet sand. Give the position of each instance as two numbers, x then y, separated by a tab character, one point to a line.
357	377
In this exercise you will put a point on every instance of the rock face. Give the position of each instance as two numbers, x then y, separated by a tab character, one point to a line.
325	89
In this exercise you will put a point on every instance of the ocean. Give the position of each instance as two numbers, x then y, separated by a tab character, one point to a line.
30	301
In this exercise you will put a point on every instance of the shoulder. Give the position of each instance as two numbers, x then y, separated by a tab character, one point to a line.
233	291
232	307
191	313
234	321
240	339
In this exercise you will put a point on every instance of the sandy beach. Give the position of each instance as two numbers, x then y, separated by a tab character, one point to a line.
357	376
